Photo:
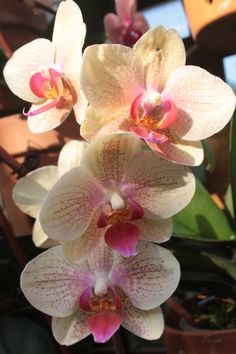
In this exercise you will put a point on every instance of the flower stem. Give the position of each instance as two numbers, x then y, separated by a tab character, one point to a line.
180	310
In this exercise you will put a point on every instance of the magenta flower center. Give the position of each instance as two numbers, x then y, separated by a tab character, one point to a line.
131	36
152	116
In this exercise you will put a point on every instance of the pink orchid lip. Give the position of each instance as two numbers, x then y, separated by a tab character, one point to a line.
48	88
42	109
150	135
123	237
131	36
103	325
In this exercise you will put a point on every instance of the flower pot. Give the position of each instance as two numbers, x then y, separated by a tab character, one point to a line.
212	24
195	340
43	149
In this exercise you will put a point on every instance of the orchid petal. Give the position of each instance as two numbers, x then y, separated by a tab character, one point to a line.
180	151
79	249
68	37
80	107
25	62
41	108
69	206
70	155
29	191
53	286
162	51
149	278
117	71
96	125
123	237
154	229
102	259
204	102
108	157
39	237
125	9
71	329
154	183
113	28
147	324
103	325
140	23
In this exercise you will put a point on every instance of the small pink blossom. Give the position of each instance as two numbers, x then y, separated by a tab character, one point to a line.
118	192
103	292
127	26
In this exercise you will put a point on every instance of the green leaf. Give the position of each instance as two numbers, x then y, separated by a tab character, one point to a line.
222	263
202	220
229	201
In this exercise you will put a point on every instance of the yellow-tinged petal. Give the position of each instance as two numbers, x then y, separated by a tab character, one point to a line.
154	229
39	238
96	125
148	324
71	329
108	157
204	103
26	61
112	77
162	51
70	155
80	106
30	190
180	151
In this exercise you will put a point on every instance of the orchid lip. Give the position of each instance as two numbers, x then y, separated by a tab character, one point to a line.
42	109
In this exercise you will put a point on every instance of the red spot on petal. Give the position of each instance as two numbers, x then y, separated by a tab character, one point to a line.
123	237
103	325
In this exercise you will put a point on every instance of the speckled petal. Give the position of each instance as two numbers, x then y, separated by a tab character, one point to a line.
147	324
149	278
180	151
25	62
30	190
102	258
162	51
155	183
111	77
69	206
52	285
108	157
71	329
154	229
204	102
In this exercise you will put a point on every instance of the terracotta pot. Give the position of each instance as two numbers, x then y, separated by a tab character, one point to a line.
197	341
212	24
18	141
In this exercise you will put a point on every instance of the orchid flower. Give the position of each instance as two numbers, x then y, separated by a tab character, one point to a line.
127	26
103	292
48	73
148	91
29	191
119	192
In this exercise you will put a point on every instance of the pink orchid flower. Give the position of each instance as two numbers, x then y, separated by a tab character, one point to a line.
147	90
119	192
127	26
29	191
103	292
48	73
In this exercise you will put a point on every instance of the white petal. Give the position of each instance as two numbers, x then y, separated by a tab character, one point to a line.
25	62
40	239
70	155
154	229
52	285
29	191
149	278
